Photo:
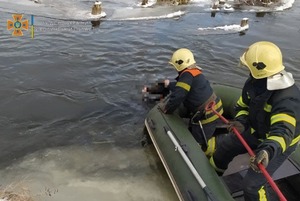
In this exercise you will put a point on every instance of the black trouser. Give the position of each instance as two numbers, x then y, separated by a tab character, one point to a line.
230	147
194	126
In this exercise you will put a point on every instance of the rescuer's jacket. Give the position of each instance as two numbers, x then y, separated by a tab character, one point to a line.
273	116
194	91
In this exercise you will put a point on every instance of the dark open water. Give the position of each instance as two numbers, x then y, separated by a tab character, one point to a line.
71	115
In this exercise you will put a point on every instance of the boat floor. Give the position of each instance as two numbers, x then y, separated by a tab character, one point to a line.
287	178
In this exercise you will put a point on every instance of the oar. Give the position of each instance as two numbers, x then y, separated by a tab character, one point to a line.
178	148
262	168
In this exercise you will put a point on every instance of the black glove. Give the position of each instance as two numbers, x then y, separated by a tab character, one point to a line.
235	124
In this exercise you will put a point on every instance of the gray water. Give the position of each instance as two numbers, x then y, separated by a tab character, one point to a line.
72	116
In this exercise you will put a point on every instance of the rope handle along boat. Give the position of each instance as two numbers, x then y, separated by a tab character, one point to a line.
210	107
178	148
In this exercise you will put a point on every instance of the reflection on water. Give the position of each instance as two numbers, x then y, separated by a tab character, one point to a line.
260	14
95	24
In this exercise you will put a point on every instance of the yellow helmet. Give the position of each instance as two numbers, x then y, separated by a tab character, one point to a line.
263	59
182	58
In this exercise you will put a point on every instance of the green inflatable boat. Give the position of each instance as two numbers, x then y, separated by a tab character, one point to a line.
189	170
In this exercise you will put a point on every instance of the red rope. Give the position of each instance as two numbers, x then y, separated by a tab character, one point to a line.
210	107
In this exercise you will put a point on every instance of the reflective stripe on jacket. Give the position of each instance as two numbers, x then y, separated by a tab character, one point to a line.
192	89
273	116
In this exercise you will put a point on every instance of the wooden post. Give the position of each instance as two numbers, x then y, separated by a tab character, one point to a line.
222	2
244	22
96	9
215	5
144	2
